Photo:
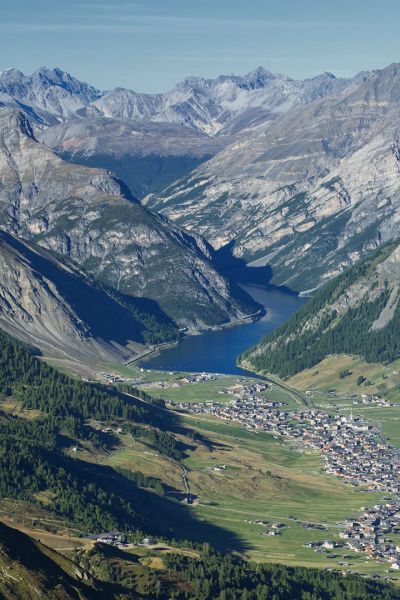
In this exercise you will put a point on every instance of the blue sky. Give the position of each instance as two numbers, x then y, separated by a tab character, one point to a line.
149	45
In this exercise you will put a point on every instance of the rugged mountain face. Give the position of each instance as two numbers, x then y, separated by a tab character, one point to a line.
215	105
308	193
47	96
46	303
357	313
147	156
152	140
227	103
149	140
86	215
298	169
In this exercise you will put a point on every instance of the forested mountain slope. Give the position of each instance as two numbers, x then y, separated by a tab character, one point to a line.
35	453
42	469
31	570
357	313
55	432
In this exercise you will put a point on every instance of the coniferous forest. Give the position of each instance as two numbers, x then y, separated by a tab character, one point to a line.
320	328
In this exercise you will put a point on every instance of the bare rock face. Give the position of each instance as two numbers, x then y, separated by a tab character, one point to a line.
224	105
87	216
120	137
48	95
53	306
308	193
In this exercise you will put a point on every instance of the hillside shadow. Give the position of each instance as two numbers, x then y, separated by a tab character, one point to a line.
117	319
140	175
237	269
172	422
242	273
156	515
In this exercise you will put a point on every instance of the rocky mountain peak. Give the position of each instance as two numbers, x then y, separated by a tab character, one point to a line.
14	123
11	75
51	95
257	79
46	94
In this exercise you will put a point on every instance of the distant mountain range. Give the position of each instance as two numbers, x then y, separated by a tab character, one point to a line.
207	105
151	140
301	175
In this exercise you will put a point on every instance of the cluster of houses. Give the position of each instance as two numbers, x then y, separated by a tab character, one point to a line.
115	538
369	532
350	447
271	528
242	393
377	400
114	379
185	380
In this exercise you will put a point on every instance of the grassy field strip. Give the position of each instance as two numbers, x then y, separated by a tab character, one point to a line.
268	515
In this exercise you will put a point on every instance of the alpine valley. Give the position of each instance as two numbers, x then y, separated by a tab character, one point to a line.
244	210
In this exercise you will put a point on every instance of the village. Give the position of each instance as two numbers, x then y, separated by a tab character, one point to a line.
181	379
350	447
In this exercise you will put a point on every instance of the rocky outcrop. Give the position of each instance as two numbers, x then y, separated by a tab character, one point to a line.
87	216
47	96
52	305
309	193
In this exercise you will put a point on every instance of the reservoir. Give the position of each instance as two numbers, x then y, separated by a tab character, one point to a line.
217	351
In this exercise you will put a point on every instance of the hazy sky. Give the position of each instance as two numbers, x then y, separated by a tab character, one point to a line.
149	45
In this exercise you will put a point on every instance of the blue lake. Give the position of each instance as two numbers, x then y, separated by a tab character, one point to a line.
217	351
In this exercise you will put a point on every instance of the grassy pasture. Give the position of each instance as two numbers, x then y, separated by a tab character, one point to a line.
325	376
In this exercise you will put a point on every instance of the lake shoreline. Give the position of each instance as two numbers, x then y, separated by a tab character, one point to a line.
216	350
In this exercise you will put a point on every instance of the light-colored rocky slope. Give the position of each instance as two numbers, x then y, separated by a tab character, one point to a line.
87	216
53	306
124	137
309	193
225	104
